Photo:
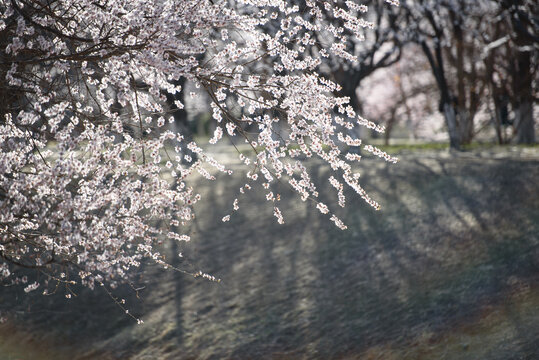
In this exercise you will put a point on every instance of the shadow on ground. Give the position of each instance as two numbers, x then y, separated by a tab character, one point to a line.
449	269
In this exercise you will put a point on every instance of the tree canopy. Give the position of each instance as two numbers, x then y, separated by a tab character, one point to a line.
91	174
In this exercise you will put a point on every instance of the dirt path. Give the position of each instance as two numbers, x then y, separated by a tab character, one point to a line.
449	269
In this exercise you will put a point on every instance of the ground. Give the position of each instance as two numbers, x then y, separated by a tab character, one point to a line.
448	269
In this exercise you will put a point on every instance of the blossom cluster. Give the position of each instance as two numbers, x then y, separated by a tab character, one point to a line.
91	175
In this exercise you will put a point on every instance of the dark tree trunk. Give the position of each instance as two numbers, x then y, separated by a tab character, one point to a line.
501	117
523	106
524	123
523	17
450	116
465	124
389	125
447	106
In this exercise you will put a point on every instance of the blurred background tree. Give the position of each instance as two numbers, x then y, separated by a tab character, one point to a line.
483	58
452	71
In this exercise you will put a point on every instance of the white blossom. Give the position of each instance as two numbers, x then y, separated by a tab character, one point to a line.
90	175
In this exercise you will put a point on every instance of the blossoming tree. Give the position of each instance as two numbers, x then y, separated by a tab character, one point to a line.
84	149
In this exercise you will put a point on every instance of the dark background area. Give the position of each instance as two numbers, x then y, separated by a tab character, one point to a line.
448	269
